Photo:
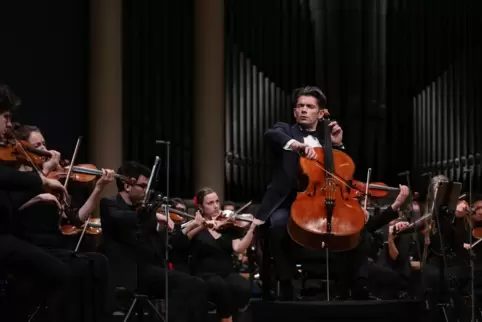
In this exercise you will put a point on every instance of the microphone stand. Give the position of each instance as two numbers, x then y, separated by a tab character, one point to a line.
145	207
167	144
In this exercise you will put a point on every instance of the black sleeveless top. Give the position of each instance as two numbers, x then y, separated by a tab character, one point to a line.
212	256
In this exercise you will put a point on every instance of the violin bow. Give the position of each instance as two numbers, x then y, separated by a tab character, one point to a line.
67	179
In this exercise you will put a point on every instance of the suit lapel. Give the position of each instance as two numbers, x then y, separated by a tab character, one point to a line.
296	133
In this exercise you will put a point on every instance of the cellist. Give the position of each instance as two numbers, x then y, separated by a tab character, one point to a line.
308	109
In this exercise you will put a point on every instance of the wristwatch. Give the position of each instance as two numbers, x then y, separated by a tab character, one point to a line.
341	146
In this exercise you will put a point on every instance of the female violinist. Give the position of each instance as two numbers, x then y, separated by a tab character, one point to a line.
38	223
211	251
46	274
445	248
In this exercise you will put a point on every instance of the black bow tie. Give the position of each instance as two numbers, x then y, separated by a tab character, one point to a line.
306	133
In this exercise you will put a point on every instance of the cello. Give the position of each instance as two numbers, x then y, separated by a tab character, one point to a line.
326	215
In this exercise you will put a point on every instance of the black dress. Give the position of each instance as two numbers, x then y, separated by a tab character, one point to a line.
25	261
89	296
212	261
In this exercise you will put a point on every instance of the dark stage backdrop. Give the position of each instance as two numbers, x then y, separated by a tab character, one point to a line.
447	88
158	86
44	58
395	74
373	58
341	46
269	51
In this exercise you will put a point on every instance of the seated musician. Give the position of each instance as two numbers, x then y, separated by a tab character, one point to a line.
25	261
133	244
180	250
390	273
38	223
211	256
446	241
229	205
308	108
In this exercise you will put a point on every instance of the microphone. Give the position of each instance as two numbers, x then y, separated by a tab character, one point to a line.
163	142
404	173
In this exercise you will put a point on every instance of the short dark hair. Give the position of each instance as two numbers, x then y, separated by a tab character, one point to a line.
176	201
131	169
308	91
22	132
8	99
229	203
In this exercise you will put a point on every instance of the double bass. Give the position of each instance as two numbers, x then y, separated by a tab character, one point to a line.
326	214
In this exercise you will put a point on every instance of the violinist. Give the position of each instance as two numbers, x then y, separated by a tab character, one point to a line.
211	249
180	251
133	244
287	142
24	260
229	205
392	269
446	240
38	222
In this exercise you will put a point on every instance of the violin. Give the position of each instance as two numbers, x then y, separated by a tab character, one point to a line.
177	216
230	219
375	189
326	214
18	151
93	228
476	230
83	173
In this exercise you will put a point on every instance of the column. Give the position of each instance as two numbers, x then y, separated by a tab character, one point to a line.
106	85
209	95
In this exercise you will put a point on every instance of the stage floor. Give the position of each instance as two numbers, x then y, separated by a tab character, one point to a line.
339	311
316	311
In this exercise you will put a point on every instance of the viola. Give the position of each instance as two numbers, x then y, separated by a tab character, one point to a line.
326	214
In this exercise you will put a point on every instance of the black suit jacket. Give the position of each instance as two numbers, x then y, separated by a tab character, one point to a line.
121	243
286	167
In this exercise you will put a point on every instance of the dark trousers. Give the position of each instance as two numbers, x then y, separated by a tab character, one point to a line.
278	244
48	275
228	292
88	297
456	279
187	294
385	281
350	266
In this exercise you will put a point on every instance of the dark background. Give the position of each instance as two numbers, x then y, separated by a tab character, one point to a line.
44	59
403	78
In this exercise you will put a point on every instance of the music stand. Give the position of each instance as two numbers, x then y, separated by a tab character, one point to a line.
145	207
447	196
